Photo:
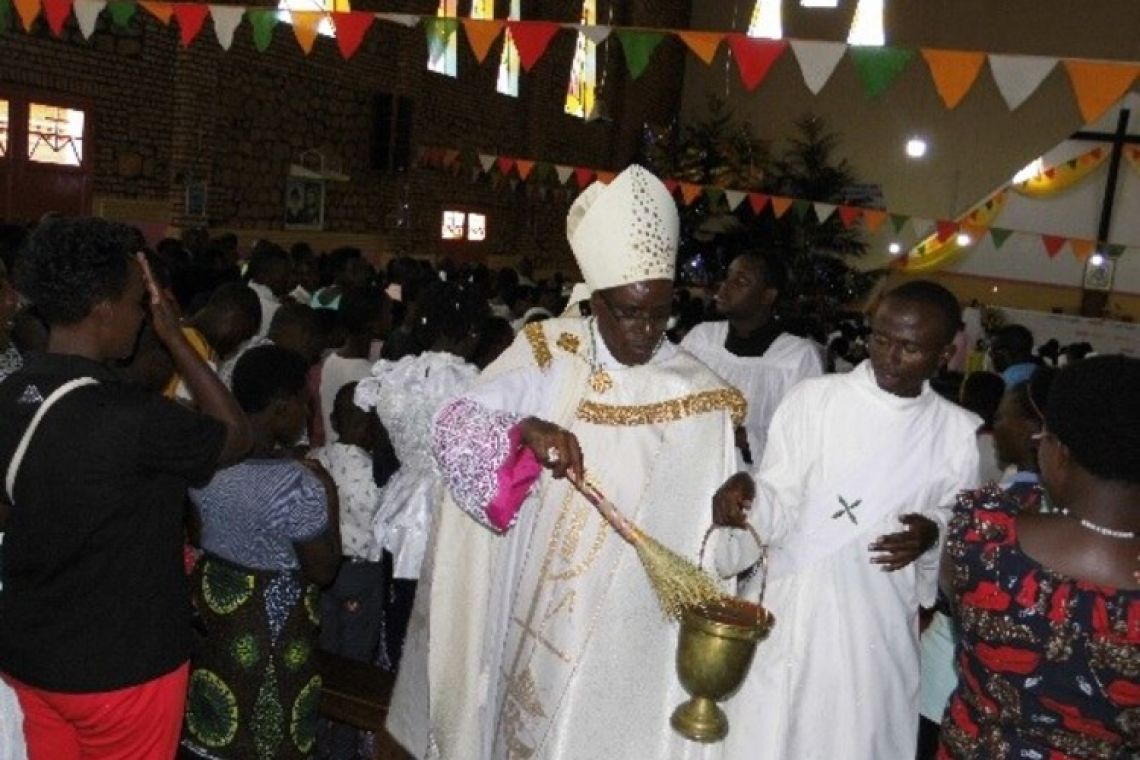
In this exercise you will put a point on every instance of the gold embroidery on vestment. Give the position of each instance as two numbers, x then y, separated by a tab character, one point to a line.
537	339
569	342
728	399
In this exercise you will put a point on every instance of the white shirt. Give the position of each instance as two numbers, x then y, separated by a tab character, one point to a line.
336	372
351	470
269	305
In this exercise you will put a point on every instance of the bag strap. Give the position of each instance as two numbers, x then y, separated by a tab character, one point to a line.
22	448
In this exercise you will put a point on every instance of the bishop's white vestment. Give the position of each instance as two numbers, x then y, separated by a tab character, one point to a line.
838	676
545	637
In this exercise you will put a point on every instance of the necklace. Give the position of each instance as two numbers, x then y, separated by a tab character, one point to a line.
600	380
1100	529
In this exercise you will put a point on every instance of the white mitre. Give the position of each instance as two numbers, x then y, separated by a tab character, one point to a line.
624	232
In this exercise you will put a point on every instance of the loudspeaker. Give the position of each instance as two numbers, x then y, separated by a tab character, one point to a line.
391	132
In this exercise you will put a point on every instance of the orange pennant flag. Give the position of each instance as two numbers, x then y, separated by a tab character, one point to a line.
1099	85
873	218
703	44
161	11
524	168
1082	249
780	205
690	192
27	10
305	24
954	72
606	177
450	156
481	35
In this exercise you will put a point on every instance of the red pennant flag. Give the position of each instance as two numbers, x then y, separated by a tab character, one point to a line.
190	17
531	39
1051	172
606	177
524	168
671	186
56	12
583	176
1053	244
505	165
758	202
754	57
450	156
946	230
350	29
849	214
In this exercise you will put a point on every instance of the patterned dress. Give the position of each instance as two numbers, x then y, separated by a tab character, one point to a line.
1049	667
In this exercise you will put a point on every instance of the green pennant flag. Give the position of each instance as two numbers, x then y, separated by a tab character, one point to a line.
800	208
439	30
898	221
879	66
1115	250
999	235
1072	164
638	45
5	15
122	11
262	22
715	195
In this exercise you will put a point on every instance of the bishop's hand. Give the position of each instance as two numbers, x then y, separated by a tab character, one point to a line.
731	502
897	550
555	447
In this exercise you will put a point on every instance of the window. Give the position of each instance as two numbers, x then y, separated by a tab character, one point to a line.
443	52
453	224
55	135
3	128
325	6
766	21
508	83
867	26
476	227
461	225
584	70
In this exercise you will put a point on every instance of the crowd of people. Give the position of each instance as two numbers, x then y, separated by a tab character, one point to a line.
217	463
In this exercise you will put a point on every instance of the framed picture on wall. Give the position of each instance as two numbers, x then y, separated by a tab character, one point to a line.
1098	275
196	195
304	203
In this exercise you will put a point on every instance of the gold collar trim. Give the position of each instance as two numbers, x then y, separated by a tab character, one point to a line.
724	399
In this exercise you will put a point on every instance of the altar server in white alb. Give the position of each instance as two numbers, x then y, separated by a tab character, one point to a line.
853	493
750	349
546	638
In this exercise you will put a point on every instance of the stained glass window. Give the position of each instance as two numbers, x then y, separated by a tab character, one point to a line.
55	135
766	20
867	26
508	83
443	51
326	6
584	69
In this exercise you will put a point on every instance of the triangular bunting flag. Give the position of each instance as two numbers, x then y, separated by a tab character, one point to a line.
954	72
872	219
226	19
848	215
1053	244
734	198
86	14
27	10
450	156
1051	172
563	173
531	39
999	235
505	165
823	211
1099	85
690	192
190	17
671	185
583	176
486	161
262	20
1018	76
898	221
703	44
5	16
714	194
56	13
760	201
305	25
351	27
481	35
595	34
754	57
800	208
921	226
605	177
878	67
817	61
439	30
946	229
1114	251
122	11
403	19
524	168
780	205
638	46
161	11
1082	249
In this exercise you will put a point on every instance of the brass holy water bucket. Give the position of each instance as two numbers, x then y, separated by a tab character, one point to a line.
714	654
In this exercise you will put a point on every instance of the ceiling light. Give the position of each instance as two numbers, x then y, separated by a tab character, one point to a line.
894	249
916	147
964	239
1096	259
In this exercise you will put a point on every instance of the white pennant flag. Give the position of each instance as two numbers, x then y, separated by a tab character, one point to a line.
922	227
823	211
486	161
226	20
1019	76
403	19
87	13
595	34
734	198
817	61
563	172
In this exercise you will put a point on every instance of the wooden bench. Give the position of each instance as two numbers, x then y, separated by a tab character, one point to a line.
358	694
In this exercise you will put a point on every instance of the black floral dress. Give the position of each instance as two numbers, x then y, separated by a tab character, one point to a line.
1048	666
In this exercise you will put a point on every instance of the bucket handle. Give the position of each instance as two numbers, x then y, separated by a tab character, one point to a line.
762	562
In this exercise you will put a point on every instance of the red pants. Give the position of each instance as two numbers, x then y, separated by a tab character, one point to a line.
136	723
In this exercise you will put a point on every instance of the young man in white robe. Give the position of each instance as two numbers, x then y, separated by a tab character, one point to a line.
850	460
750	349
545	637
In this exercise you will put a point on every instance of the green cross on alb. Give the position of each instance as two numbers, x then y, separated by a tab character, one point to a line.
848	509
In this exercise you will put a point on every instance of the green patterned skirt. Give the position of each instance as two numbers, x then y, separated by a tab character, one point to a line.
254	689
